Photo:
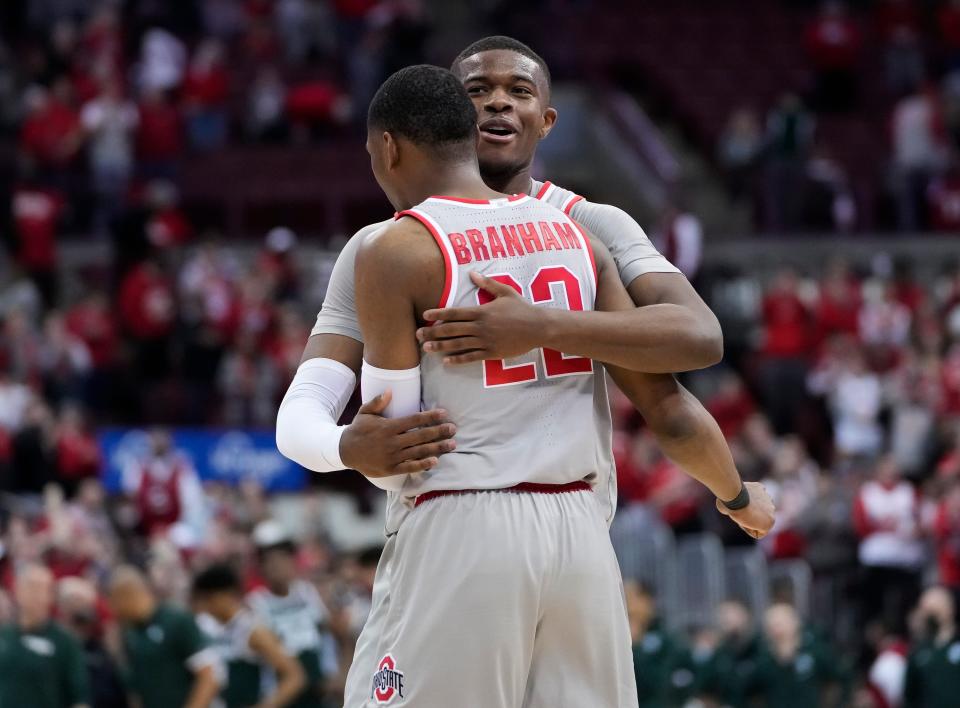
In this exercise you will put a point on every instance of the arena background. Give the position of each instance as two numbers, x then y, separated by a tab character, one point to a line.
176	179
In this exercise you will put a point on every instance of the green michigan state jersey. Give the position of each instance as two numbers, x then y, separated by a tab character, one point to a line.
295	618
246	675
41	668
162	656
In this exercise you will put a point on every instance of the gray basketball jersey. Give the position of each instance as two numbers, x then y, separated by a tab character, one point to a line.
534	418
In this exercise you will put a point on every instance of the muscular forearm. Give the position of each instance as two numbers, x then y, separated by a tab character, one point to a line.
686	432
653	339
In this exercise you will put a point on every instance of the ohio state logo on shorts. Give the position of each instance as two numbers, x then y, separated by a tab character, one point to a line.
387	681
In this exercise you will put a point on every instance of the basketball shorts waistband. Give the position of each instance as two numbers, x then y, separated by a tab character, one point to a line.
528	487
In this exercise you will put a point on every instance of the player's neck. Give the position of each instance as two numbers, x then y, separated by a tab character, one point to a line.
461	181
510	182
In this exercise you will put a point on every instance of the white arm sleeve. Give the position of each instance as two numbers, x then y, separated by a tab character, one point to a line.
405	386
307	430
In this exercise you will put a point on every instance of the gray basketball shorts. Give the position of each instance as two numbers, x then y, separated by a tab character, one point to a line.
497	600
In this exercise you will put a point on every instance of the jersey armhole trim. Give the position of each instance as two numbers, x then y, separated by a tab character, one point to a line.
544	188
569	205
448	265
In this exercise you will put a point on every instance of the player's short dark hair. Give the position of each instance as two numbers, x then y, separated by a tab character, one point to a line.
499	41
428	106
219	577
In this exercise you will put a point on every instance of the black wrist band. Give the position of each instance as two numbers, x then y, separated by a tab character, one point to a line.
739	501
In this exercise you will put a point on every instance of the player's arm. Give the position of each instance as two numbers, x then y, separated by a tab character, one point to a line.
307	430
291	678
690	436
672	330
397	270
615	332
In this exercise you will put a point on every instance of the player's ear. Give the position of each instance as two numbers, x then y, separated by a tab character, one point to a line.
391	151
549	120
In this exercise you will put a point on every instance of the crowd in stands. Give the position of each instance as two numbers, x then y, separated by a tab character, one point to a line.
795	176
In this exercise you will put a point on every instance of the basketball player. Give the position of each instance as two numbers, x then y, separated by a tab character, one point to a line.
504	538
307	428
511	83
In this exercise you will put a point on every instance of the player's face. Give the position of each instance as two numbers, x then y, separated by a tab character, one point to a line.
512	100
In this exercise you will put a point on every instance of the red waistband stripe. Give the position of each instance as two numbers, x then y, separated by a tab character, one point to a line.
528	487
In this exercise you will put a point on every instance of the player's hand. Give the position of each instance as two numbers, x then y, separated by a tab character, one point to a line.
757	517
381	447
501	329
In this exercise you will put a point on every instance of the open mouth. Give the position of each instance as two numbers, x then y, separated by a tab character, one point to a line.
497	131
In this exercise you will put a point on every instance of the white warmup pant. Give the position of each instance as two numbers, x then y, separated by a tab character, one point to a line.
497	600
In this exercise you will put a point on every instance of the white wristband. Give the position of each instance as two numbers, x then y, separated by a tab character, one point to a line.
307	430
404	385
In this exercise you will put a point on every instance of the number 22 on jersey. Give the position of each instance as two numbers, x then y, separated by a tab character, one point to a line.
555	364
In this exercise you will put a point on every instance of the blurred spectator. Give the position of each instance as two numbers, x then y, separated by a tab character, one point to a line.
34	450
163	61
64	361
887	673
839	302
682	240
147	311
78	454
919	150
899	26
793	487
78	609
948	19
833	42
92	321
885	323
829	203
167	225
787	333
292	609
278	263
914	396
736	655
37	214
249	650
854	395
657	656
51	136
205	93
932	676
164	486
946	530
739	149
266	106
169	662
789	134
794	670
41	665
307	29
943	201
160	135
886	515
248	384
110	121
314	106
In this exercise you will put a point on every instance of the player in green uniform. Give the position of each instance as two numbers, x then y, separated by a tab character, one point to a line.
252	653
41	665
794	670
169	662
933	668
292	608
